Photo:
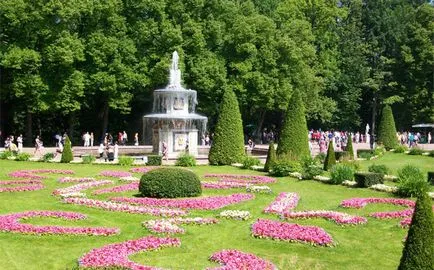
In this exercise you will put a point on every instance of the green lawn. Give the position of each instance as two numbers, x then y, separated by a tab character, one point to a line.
376	245
396	161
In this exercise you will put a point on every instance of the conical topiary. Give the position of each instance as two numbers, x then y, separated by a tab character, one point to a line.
330	160
271	157
387	129
349	148
228	141
67	152
418	251
293	136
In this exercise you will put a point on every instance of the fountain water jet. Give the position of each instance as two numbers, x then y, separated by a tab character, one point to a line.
173	119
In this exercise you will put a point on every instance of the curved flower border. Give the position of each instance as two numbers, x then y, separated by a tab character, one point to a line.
32	174
116	255
235	259
23	185
122	188
338	217
206	203
170	226
117	174
11	223
76	179
285	202
265	228
81	187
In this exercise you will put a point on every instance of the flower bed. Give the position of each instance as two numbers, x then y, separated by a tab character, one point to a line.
23	185
384	188
170	226
393	214
349	183
285	202
129	179
81	187
234	259
76	179
235	214
143	169
223	185
73	194
251	179
120	207
11	223
338	217
127	187
258	189
205	203
362	202
117	174
265	228
32	174
116	255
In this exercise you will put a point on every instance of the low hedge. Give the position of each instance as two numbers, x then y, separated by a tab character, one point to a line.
125	160
284	167
367	179
341	155
365	153
170	183
88	159
431	177
23	157
380	168
154	160
185	160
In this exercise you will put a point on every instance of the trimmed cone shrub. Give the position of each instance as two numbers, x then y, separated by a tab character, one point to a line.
228	141
170	183
350	148
67	152
330	160
387	129
293	136
418	252
271	157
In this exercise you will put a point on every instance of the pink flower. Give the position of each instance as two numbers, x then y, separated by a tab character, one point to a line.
338	217
250	179
11	223
31	174
143	169
120	207
265	228
234	259
76	179
122	188
23	185
81	186
205	203
285	202
170	226
115	173
362	202
116	255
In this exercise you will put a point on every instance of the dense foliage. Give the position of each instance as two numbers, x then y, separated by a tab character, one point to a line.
350	149
378	168
154	160
418	251
92	65
170	183
67	152
228	140
283	167
293	136
330	159
411	181
125	160
185	160
249	161
340	173
367	179
387	129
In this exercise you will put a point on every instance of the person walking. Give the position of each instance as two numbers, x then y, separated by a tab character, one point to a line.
136	139
20	143
124	138
92	138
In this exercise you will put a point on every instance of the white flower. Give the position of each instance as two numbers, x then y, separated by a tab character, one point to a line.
235	214
258	189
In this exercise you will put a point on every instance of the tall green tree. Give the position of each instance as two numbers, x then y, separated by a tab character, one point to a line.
228	140
294	135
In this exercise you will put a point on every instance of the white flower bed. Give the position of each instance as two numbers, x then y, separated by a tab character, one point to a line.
385	188
129	178
258	189
73	194
235	214
349	183
391	177
321	178
431	195
295	175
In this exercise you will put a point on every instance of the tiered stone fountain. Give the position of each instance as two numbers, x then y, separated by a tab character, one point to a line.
173	120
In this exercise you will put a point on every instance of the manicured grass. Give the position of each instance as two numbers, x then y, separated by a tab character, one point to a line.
395	161
376	245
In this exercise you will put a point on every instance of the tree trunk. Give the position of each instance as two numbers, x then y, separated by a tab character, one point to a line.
105	118
374	114
29	133
258	131
71	124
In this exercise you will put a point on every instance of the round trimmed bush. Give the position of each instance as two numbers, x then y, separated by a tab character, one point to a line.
170	183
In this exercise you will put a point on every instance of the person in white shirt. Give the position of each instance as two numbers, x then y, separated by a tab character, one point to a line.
20	143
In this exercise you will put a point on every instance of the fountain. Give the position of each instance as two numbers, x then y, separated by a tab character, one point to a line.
173	119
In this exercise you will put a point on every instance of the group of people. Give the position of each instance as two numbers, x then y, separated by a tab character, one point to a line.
412	139
206	139
109	148
11	146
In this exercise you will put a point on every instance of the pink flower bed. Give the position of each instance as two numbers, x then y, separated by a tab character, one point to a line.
206	203
115	173
23	185
76	179
338	217
120	207
143	169
11	223
264	228
122	188
116	255
31	174
223	185
393	214
285	202
234	259
170	226
250	179
82	186
362	202
405	222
